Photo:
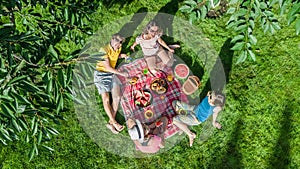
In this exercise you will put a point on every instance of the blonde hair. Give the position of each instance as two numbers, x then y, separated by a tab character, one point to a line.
118	37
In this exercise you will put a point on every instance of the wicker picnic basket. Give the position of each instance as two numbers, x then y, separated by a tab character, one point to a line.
191	85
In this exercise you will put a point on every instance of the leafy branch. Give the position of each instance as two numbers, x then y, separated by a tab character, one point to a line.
245	15
40	44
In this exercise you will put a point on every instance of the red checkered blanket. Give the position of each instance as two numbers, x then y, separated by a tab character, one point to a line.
161	104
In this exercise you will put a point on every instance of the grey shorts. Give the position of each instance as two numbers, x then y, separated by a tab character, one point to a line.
104	81
189	119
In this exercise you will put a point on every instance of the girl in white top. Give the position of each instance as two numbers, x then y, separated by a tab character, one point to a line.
152	44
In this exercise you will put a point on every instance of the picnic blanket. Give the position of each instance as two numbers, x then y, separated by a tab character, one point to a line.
161	104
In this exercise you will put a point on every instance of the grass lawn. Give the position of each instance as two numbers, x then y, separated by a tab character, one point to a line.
260	120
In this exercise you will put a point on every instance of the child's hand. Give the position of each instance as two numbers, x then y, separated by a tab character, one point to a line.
130	123
132	47
123	56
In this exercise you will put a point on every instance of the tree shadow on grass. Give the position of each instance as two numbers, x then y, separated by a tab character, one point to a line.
281	155
222	67
232	157
110	3
165	21
128	29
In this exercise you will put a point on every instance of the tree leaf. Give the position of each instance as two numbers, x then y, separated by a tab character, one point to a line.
238	46
32	152
59	103
295	9
297	26
276	25
231	2
35	129
49	86
61	78
266	27
263	5
7	98
192	17
272	2
241	28
185	8
23	124
30	86
191	3
48	148
242	57
252	55
291	19
52	51
53	130
40	136
236	38
66	14
231	10
7	111
17	79
253	39
16	125
272	30
203	12
5	134
252	24
241	12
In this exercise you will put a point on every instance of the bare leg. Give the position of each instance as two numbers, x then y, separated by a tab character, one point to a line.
163	55
186	130
109	111
151	62
116	96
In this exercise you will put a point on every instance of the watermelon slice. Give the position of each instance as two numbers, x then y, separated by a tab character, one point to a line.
181	71
142	98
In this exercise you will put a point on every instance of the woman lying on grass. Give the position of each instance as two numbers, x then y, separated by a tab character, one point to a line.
189	115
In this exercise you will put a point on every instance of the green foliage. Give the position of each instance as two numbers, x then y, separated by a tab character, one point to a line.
245	15
260	120
36	76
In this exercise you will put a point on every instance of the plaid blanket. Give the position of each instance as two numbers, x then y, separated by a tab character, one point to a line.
161	104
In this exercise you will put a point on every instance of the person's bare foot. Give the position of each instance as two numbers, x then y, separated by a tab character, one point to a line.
112	128
117	126
192	136
174	46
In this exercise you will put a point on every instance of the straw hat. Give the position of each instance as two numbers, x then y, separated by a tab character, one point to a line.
137	131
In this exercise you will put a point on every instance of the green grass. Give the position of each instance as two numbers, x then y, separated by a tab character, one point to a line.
260	120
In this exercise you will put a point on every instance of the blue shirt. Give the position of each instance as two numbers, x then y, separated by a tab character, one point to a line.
204	110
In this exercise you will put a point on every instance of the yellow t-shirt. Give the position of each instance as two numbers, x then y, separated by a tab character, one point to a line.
111	55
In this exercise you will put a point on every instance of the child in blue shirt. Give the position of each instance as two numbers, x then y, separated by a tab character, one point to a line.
189	115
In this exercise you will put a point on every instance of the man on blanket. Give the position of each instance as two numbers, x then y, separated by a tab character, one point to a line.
148	138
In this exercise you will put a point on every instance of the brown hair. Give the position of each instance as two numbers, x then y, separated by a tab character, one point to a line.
219	98
149	25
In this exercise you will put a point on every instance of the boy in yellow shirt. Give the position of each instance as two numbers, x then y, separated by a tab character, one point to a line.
104	80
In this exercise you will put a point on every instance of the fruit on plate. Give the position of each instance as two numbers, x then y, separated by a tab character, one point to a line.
142	98
181	71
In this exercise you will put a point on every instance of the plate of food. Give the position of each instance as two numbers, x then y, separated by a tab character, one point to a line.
142	98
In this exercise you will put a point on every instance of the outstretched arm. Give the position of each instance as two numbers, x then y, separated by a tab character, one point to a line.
216	111
133	45
112	70
163	43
